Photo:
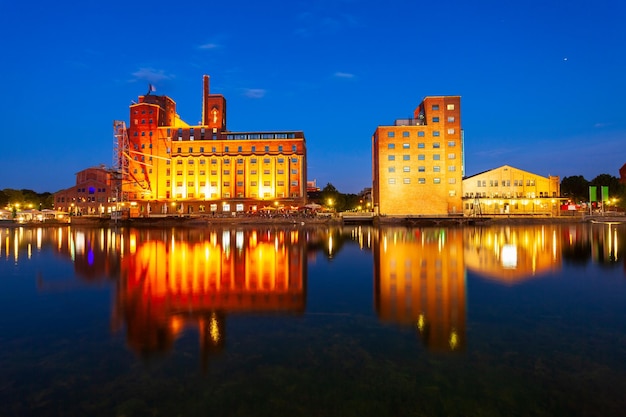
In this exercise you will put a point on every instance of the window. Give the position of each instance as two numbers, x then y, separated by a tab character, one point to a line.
294	148
281	160
294	160
281	172
451	168
391	146
405	134
266	172
436	168
406	157
253	148
406	146
226	184
420	134
450	107
451	143
266	183
421	168
240	161
435	119
451	156
391	157
436	145
190	162
421	145
267	148
225	148
435	107
391	134
213	161
239	148
391	181
478	183
436	133
437	180
406	180
406	169
226	161
451	180
450	131
294	172
253	183
391	169
226	172
436	157
450	119
266	160
421	157
421	180
253	161
280	148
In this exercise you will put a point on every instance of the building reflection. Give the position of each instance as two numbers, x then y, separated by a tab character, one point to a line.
419	277
173	280
510	255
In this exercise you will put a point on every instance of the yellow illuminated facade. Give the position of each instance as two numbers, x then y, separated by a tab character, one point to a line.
418	163
420	282
171	167
511	255
507	191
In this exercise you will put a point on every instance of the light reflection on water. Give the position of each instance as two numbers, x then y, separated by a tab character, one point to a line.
523	320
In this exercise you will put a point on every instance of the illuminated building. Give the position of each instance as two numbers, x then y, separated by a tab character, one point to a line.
418	163
420	281
94	193
169	166
508	190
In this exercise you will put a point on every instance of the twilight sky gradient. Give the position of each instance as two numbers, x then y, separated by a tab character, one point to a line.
542	82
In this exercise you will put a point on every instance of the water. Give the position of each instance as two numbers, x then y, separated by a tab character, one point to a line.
326	321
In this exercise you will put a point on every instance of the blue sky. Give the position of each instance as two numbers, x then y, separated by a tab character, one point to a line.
542	83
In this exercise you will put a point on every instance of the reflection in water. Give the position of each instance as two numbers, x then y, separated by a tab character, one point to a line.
170	280
512	254
420	281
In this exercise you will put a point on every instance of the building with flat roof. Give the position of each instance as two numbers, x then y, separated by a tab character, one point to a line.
509	190
417	164
169	166
95	193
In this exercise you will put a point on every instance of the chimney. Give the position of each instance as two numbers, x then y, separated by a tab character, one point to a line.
205	97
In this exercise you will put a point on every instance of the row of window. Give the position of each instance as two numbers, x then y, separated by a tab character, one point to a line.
420	157
420	145
214	172
505	183
448	107
253	149
226	207
436	168
420	134
91	190
239	161
436	180
227	184
542	194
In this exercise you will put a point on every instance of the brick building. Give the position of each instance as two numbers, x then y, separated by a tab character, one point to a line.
418	163
94	193
168	166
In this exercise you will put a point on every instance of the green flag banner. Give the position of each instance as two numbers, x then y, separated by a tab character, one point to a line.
605	193
593	193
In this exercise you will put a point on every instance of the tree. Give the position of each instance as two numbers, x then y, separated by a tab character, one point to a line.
617	190
576	188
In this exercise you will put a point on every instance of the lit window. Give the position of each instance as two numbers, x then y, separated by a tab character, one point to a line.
406	180
437	180
451	180
391	181
451	156
450	106
450	119
436	168
452	168
405	146
406	169
421	180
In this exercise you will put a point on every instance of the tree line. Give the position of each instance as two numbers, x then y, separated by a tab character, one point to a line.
26	199
576	188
